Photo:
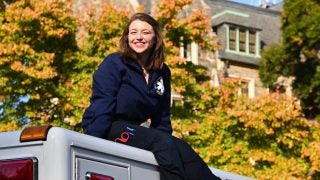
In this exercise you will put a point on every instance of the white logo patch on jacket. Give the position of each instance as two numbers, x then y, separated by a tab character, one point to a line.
159	86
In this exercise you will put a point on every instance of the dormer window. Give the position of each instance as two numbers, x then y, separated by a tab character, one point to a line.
242	40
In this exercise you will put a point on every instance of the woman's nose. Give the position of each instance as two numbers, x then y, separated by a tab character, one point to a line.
139	36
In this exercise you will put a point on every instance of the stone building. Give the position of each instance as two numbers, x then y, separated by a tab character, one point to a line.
243	32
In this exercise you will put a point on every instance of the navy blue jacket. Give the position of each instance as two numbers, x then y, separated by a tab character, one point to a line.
120	91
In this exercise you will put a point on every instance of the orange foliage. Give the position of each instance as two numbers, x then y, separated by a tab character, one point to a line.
104	31
266	137
167	9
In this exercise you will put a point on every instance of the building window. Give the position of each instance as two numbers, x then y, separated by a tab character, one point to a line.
232	38
247	85
244	88
242	40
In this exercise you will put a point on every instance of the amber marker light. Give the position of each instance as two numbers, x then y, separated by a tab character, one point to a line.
35	133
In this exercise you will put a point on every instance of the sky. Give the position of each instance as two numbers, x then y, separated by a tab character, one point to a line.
256	2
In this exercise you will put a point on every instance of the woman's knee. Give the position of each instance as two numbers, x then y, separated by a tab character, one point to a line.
165	140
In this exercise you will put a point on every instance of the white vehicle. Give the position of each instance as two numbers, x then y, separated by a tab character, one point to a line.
53	153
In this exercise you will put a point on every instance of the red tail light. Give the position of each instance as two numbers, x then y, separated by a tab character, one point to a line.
20	169
94	176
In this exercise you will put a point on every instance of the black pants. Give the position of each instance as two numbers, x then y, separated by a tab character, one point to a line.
176	159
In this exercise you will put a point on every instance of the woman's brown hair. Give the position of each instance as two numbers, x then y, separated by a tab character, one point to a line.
156	58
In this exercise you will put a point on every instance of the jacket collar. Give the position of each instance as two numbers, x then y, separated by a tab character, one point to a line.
134	65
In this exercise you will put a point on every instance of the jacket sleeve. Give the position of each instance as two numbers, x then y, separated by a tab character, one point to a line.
162	119
98	116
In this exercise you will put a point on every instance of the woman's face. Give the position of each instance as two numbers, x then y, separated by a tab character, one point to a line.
141	36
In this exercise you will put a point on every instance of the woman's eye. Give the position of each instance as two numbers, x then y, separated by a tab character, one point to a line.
147	32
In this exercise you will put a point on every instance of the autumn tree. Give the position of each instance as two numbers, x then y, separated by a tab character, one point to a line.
301	41
266	137
273	57
37	62
298	54
104	30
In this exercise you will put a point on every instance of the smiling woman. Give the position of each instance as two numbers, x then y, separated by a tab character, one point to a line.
133	86
141	40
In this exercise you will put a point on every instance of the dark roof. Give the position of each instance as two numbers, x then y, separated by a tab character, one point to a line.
235	20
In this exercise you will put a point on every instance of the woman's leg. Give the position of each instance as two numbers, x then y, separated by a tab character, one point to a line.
195	167
161	144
